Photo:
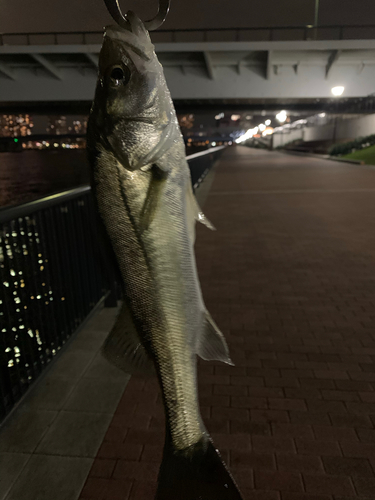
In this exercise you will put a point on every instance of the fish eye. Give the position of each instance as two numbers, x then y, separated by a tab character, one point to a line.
119	75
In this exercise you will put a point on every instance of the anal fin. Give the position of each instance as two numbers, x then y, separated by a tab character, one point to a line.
212	344
123	348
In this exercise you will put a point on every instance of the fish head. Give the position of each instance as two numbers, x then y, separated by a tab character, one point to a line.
132	110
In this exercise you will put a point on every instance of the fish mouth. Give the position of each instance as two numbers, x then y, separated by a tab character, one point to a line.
139	43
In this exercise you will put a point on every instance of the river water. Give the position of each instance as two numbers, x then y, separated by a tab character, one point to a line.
32	174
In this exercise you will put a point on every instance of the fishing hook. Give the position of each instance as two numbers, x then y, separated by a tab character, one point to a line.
115	11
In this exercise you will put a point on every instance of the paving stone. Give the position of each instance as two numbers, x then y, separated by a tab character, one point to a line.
327	484
279	481
143	490
287	279
50	393
251	494
237	442
11	465
318	448
75	434
358	450
23	431
304	496
94	395
292	461
66	477
364	485
106	489
294	430
347	466
332	433
246	460
366	435
102	467
272	444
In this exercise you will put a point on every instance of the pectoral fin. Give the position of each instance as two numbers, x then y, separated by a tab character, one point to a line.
195	211
212	344
154	193
123	348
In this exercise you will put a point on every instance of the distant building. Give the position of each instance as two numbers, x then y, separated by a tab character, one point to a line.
15	125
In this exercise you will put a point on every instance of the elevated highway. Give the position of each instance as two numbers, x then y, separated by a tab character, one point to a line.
206	64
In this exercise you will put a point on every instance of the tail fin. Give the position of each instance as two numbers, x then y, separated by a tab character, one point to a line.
196	473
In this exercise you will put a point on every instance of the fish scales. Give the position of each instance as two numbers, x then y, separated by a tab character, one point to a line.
142	186
161	304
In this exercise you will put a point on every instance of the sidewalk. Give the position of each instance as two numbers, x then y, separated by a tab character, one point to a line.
289	276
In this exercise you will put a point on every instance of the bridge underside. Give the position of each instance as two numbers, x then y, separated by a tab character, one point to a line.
259	72
270	106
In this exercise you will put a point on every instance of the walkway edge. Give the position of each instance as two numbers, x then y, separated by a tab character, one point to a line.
323	157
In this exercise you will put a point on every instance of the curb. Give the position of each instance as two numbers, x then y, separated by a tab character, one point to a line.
323	157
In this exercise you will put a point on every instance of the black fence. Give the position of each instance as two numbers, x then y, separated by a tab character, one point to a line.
201	163
262	33
54	271
53	274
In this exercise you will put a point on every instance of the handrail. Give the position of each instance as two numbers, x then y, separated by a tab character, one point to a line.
308	28
14	212
205	152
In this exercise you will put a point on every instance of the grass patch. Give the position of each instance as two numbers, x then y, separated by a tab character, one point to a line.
367	155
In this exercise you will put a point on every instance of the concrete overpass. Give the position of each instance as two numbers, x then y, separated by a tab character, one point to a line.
62	67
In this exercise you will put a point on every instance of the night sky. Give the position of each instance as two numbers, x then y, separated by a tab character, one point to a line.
82	15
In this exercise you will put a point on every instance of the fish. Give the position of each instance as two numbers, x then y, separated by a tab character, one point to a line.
142	186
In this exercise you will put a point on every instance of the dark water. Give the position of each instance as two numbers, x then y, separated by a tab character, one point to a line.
30	175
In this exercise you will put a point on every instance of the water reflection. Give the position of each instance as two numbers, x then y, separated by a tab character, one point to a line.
30	175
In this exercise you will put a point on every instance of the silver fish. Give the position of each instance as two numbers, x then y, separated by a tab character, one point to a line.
142	187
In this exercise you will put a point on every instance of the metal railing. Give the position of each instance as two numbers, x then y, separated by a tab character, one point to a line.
201	163
52	276
263	33
54	270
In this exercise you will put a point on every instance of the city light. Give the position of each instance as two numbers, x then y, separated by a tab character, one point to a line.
322	115
15	125
281	117
262	127
268	131
268	122
247	135
337	91
234	118
219	116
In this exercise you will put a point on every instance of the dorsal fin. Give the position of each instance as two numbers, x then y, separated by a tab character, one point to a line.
123	348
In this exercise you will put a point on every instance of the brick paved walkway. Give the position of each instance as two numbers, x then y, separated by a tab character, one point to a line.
289	276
